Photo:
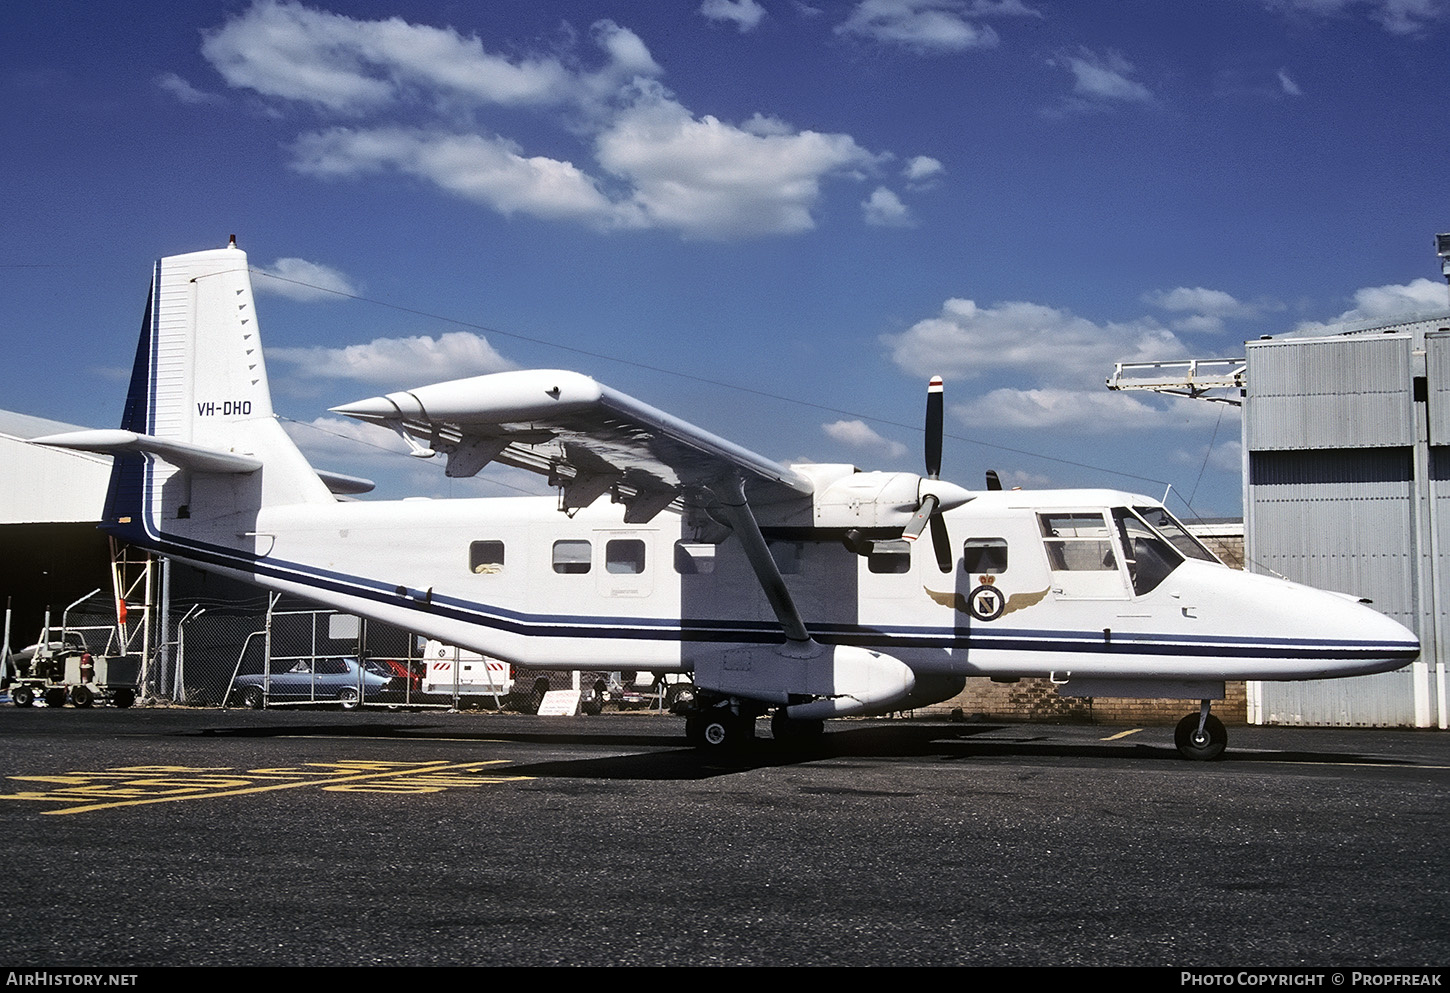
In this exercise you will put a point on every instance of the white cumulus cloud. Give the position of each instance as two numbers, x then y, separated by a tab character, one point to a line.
885	209
707	178
1398	17
745	14
1047	407
398	362
486	170
1100	81
926	26
184	91
1373	303
398	98
858	434
1204	310
1196	299
298	279
350	66
922	170
1047	367
1053	344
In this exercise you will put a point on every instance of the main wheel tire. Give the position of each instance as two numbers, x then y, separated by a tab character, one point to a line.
55	696
123	698
593	702
1203	747
719	730
349	698
253	698
22	696
679	697
82	696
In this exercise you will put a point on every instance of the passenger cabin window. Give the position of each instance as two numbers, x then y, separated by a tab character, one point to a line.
571	557
485	557
984	555
890	557
624	556
694	558
1078	543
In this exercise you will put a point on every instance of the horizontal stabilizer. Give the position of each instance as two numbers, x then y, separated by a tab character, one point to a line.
178	453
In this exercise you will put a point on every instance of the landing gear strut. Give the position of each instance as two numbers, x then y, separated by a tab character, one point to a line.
1200	737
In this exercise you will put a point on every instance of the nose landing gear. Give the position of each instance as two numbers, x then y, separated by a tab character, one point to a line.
1200	737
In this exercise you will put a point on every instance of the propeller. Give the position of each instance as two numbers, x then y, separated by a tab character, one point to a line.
929	509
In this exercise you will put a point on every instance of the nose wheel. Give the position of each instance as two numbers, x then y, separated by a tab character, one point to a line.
1200	737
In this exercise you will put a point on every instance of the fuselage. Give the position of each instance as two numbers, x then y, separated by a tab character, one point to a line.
1062	583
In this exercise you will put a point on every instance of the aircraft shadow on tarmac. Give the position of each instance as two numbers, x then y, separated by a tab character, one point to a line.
669	758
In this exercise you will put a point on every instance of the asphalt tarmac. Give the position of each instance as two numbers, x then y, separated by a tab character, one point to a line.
154	837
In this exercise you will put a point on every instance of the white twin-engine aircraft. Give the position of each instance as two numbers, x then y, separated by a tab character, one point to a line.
799	590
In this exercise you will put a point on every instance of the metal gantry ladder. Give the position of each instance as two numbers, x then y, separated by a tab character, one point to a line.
132	580
1193	378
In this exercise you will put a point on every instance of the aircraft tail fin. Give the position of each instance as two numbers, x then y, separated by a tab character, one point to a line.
198	437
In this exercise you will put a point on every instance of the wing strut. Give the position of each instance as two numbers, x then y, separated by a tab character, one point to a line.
735	508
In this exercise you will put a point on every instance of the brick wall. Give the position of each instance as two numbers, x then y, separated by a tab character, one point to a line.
1038	700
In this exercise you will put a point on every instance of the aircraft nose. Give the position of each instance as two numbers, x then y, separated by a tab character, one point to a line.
1317	634
1368	641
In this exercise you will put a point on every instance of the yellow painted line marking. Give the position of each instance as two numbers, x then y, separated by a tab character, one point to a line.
131	786
1120	734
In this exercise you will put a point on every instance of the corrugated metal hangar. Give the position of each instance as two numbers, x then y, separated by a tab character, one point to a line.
50	504
1347	487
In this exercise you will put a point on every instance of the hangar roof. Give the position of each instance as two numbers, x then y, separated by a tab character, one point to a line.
47	485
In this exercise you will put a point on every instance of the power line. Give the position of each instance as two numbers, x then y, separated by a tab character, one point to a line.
695	378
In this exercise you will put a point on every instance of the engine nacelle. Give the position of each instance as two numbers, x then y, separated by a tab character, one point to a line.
881	499
844	679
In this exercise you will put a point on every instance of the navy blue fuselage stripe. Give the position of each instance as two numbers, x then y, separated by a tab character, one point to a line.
615	628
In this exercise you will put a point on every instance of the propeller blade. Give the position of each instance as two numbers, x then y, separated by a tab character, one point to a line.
994	482
941	543
924	513
933	427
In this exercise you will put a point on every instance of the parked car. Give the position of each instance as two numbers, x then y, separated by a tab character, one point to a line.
326	680
407	684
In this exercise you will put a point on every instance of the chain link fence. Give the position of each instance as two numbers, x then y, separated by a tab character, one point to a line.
267	652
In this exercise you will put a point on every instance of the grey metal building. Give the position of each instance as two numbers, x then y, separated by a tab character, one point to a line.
1347	487
51	551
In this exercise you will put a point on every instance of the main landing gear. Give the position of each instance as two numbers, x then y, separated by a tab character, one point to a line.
721	728
1200	737
729	725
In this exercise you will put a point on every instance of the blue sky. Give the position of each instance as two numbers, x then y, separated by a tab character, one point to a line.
772	218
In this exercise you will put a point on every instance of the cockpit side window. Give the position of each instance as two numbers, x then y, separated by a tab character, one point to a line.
1169	528
1150	558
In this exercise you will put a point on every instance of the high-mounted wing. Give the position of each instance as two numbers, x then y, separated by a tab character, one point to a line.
587	438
